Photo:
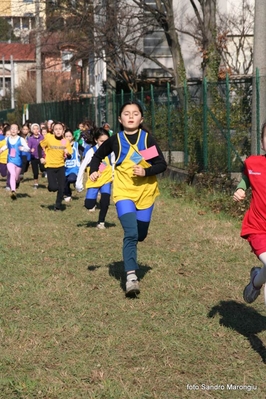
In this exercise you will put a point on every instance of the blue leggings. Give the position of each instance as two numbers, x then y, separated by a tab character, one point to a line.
91	198
135	224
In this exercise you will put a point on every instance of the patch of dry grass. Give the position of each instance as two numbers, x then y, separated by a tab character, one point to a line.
68	332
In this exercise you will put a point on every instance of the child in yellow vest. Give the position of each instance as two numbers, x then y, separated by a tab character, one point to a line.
56	149
138	159
103	184
3	157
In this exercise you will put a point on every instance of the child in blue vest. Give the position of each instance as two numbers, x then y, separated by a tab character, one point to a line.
138	159
103	184
26	156
16	145
72	165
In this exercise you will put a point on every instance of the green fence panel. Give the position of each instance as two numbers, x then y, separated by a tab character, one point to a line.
207	125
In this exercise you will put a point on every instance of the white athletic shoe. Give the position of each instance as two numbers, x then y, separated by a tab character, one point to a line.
132	288
67	199
101	226
92	209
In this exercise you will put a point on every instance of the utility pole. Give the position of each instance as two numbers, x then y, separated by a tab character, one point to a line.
4	77
12	82
38	53
259	64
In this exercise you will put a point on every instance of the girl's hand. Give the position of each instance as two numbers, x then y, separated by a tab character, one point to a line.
94	176
138	170
79	189
42	160
239	195
32	150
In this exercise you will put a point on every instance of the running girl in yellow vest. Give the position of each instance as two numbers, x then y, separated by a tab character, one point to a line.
138	159
103	184
56	149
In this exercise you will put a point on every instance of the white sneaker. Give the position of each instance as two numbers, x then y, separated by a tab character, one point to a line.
7	188
251	293
92	209
67	199
132	288
101	226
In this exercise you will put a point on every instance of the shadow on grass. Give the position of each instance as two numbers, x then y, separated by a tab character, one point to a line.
117	271
51	207
93	268
22	195
90	223
243	319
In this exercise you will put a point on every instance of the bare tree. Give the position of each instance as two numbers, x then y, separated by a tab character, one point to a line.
161	15
235	39
203	29
117	32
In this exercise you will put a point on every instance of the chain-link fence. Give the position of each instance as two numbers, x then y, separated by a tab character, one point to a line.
202	125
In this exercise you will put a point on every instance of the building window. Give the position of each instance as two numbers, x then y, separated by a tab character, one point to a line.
155	43
17	23
66	58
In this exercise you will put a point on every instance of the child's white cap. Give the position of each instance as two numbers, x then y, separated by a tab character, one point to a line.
34	124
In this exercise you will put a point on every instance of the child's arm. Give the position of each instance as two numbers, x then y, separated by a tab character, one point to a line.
158	163
240	193
24	147
84	163
68	151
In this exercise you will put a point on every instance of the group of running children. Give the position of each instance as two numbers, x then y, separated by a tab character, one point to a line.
127	161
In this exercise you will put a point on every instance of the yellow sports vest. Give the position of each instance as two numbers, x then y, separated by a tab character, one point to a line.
141	190
4	154
106	176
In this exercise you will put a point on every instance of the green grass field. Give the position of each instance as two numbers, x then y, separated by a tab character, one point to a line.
68	332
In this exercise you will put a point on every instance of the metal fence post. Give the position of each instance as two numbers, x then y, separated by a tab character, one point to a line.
169	128
152	110
258	109
185	124
106	107
228	136
205	125
113	108
142	96
99	110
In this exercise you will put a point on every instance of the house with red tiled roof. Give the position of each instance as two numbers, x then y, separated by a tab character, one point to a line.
21	57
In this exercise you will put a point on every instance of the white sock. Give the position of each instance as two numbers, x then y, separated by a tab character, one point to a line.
260	278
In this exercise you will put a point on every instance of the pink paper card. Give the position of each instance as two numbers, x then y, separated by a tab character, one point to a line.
149	153
12	152
102	167
63	142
